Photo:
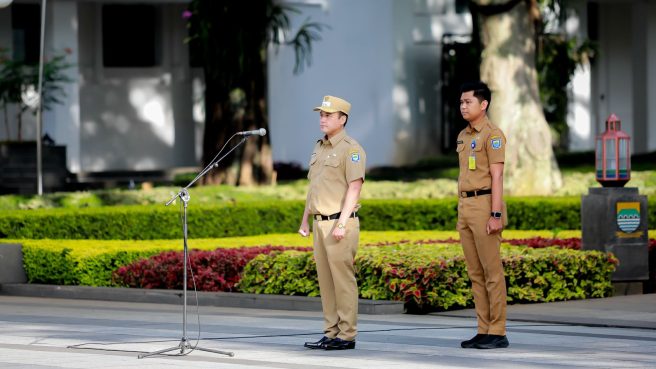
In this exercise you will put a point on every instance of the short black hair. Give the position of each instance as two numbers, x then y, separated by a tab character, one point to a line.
341	114
480	89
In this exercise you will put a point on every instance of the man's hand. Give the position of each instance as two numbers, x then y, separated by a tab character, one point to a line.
494	225
339	233
304	229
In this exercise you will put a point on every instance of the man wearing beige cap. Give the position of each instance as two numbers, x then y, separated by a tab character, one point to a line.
336	176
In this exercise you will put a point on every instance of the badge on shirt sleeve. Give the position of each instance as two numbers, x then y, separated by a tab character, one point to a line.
355	156
495	141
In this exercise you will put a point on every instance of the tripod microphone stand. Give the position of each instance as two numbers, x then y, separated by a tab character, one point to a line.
184	346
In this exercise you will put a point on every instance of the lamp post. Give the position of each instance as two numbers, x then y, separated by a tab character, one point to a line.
612	157
614	217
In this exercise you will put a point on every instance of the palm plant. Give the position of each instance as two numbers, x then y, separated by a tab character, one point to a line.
229	38
17	77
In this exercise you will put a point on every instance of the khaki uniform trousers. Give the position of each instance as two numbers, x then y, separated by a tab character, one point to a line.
483	258
337	282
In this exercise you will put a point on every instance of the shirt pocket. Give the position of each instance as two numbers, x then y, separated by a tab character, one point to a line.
332	168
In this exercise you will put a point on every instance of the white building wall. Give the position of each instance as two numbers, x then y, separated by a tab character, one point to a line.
579	114
135	118
381	55
62	122
418	30
354	61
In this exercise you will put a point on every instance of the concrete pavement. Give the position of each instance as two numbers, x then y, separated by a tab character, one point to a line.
49	333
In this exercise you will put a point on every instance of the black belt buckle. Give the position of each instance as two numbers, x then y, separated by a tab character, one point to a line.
475	193
332	216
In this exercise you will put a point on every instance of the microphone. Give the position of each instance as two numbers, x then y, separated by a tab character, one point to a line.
256	132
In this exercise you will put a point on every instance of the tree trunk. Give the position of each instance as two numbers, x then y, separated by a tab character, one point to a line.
232	38
508	67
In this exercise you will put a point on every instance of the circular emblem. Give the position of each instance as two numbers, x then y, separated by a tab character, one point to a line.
628	220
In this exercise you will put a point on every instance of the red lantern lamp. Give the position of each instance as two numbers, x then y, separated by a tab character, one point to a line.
612	157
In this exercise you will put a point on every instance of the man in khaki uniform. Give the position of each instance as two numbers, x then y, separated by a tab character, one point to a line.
336	176
481	150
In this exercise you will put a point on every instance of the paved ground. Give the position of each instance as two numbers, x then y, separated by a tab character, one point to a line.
47	333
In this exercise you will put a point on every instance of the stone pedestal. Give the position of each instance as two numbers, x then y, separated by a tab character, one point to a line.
615	220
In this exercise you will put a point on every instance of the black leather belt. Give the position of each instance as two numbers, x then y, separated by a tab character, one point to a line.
332	216
475	193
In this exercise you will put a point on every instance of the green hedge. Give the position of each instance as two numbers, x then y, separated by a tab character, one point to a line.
425	276
242	219
56	265
151	221
428	277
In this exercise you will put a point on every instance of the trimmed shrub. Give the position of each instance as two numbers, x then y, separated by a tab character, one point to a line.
435	276
56	265
281	273
50	266
158	222
151	222
217	270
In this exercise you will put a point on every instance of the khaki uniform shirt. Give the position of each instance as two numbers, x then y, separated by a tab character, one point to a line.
487	144
334	163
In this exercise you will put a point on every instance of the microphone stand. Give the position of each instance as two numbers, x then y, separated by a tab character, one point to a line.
184	346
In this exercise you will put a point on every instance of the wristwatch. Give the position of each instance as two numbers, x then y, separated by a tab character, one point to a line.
496	214
340	225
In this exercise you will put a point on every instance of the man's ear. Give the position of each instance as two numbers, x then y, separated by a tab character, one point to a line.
484	104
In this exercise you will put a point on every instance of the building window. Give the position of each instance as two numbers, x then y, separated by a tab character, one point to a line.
462	6
131	36
26	29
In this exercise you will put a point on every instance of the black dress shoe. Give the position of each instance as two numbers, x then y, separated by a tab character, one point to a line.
320	344
492	341
339	344
474	340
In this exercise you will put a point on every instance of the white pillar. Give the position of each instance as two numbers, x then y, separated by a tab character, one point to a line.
62	122
579	109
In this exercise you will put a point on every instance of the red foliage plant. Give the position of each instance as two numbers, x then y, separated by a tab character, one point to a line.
217	270
540	242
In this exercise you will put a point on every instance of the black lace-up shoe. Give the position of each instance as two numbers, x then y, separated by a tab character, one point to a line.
492	341
471	342
320	344
339	344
